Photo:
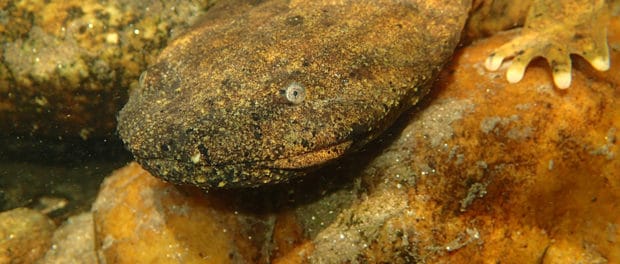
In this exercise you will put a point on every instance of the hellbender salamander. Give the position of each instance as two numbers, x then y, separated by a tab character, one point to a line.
260	92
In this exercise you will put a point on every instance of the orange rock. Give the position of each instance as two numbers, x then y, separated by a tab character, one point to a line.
544	162
141	219
137	219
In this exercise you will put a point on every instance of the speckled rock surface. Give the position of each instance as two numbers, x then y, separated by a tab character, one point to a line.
212	111
25	235
73	242
65	66
487	171
533	171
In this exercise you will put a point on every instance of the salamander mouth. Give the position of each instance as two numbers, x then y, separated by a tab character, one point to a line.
243	174
311	158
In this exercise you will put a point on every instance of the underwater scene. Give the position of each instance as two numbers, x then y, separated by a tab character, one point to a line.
287	131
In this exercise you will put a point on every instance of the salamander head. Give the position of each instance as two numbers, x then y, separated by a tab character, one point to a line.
275	93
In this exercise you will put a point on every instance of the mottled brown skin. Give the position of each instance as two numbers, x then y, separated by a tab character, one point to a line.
210	112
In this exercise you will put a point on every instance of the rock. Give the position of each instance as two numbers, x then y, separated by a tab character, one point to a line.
572	252
66	66
505	172
25	235
140	219
485	171
73	242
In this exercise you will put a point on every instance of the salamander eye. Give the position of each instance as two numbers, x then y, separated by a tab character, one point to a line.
295	93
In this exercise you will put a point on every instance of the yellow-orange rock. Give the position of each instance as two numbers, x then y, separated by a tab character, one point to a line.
516	173
533	170
25	235
141	219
